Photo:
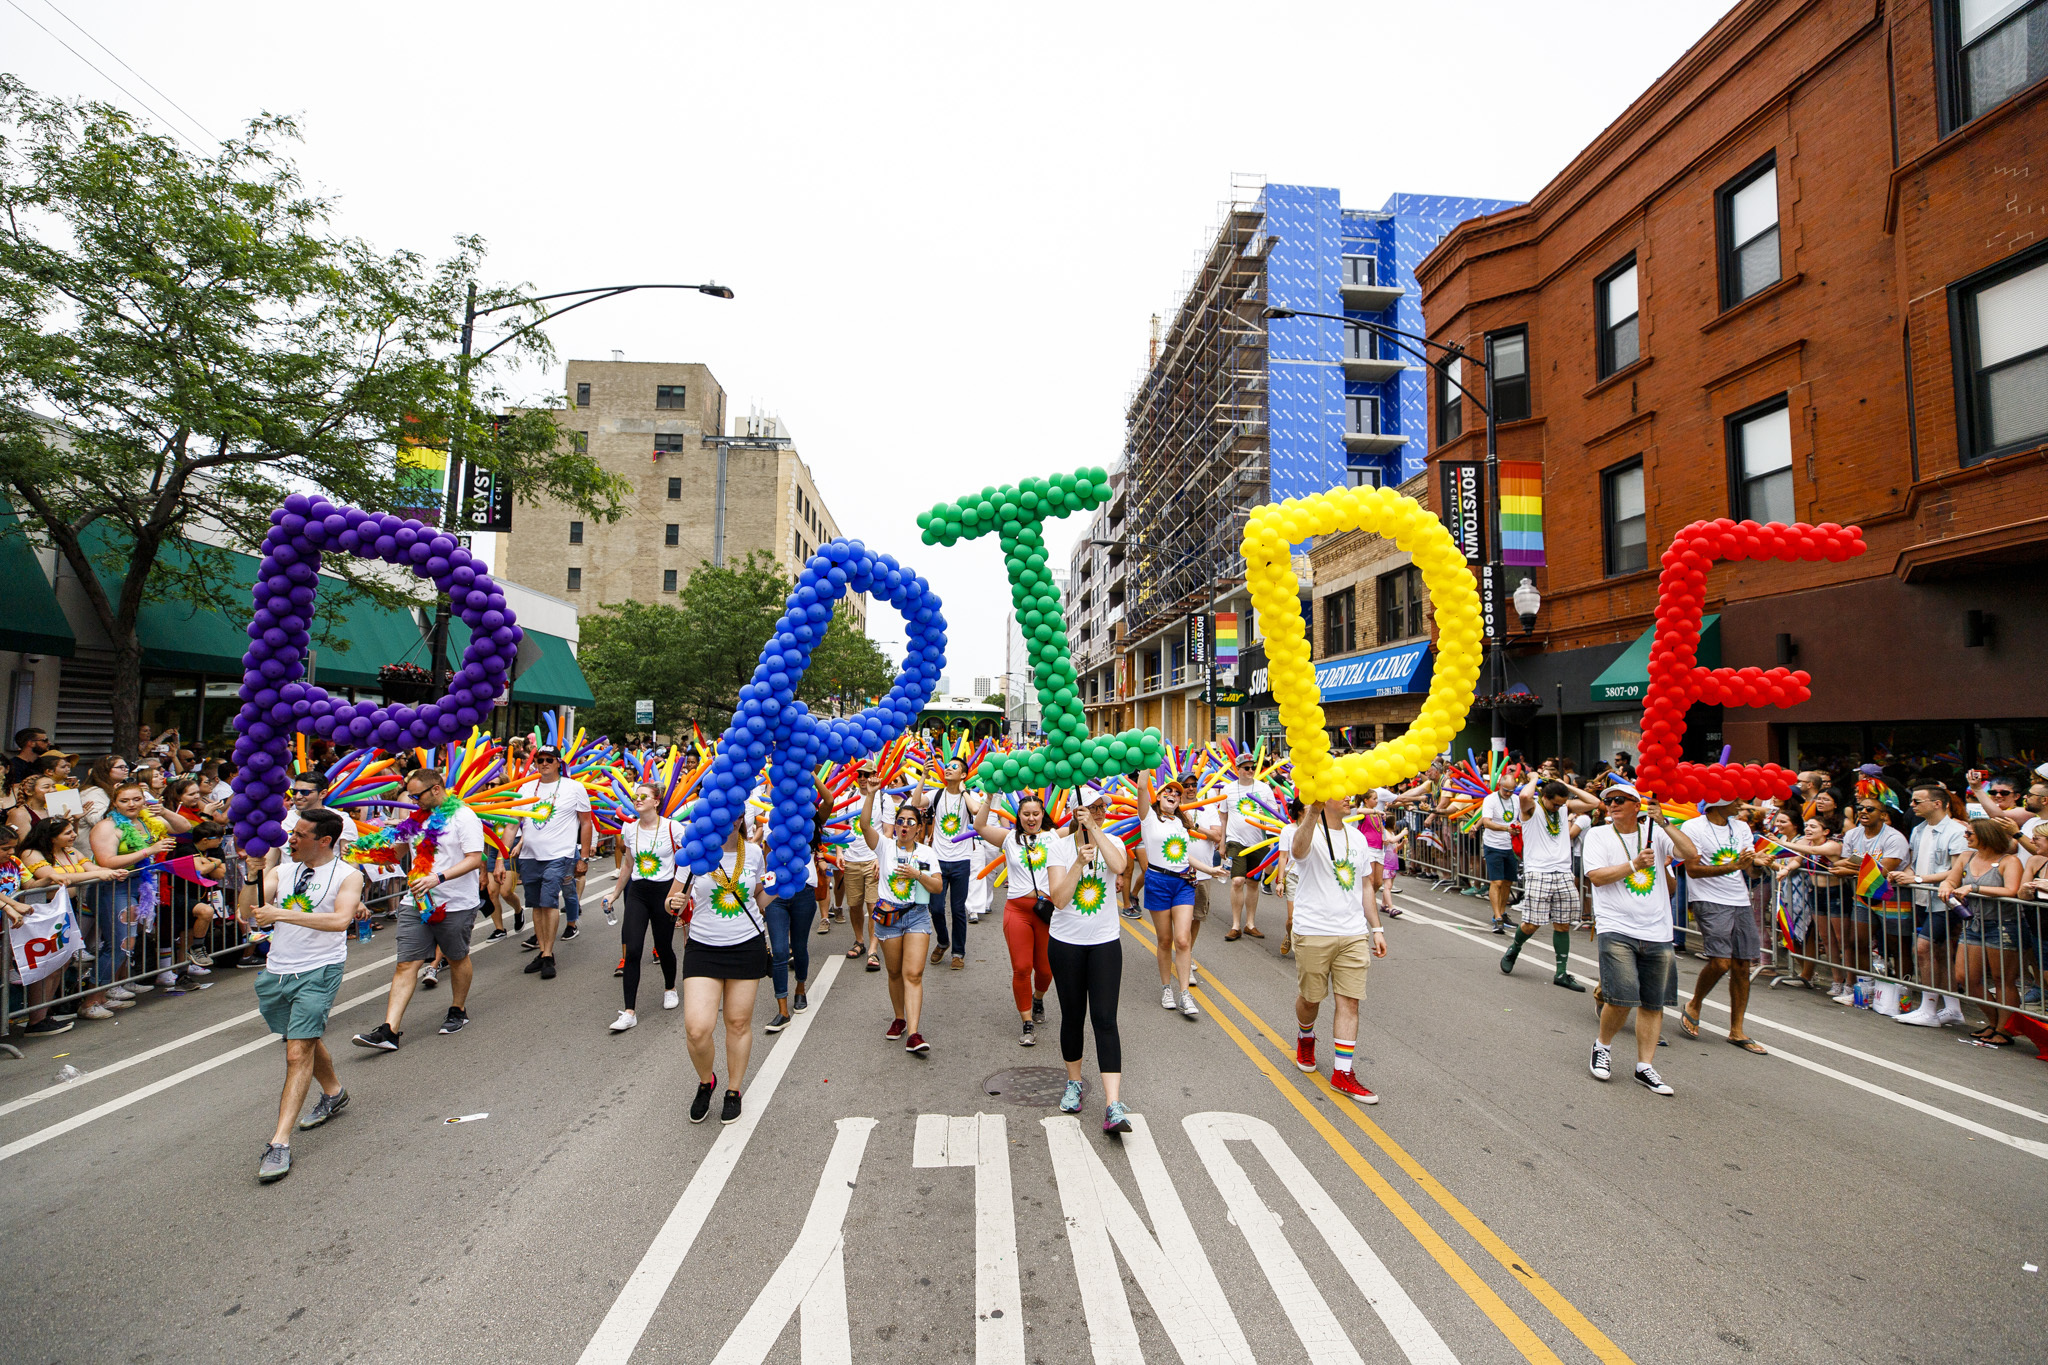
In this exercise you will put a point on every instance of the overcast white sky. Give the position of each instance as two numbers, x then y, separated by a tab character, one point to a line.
947	225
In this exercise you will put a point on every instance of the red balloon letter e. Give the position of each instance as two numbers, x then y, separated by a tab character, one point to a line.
1677	680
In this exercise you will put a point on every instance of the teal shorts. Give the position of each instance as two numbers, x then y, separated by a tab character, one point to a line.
296	1006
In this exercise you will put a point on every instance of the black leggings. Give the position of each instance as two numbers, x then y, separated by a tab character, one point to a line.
1087	975
644	910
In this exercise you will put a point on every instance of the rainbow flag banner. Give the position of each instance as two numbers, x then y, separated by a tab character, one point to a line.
1875	890
1521	512
1226	638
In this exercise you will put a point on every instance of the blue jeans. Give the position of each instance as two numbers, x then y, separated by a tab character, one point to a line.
955	881
97	906
1635	973
789	934
550	883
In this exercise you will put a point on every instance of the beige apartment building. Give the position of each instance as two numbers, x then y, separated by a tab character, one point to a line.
699	495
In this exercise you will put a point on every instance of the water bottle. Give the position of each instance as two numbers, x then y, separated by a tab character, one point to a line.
611	914
363	929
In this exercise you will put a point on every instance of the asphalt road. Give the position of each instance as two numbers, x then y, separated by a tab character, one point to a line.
1867	1192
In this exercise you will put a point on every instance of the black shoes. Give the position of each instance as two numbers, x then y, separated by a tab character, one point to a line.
455	1020
701	1105
803	1002
529	943
1038	1010
547	967
534	965
570	933
381	1038
731	1111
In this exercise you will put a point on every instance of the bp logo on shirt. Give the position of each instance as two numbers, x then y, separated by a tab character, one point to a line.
1174	848
1247	807
900	885
1090	894
1346	874
1034	856
646	865
302	904
1641	881
543	811
1721	857
949	823
728	900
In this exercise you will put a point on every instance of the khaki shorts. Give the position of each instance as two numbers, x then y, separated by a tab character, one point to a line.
863	880
1326	962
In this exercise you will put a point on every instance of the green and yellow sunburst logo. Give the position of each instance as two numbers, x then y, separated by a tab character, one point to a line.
1641	881
296	902
1247	807
949	823
1345	873
900	885
1090	894
1174	848
1723	856
729	900
1034	856
646	865
543	811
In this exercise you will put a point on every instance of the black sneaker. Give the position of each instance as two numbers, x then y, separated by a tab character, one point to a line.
455	1020
730	1112
495	935
701	1106
1030	1038
529	943
547	967
1038	1010
48	1028
802	1003
1647	1077
776	1024
380	1038
570	932
534	965
518	923
327	1108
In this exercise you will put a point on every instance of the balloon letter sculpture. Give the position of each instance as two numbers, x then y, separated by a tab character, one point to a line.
1270	574
276	699
1676	680
772	726
1017	513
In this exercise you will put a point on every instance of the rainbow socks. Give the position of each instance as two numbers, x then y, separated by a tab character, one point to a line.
1341	1049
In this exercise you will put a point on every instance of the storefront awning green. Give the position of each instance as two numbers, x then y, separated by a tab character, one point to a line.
1628	677
554	679
33	622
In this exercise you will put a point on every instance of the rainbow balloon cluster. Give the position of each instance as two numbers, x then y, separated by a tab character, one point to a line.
1272	529
277	702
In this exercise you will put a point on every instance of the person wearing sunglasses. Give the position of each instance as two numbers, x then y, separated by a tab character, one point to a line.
1627	863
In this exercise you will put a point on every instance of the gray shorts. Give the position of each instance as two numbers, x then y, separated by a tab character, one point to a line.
1727	930
417	941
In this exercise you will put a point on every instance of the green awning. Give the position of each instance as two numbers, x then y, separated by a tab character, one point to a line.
375	637
33	622
1628	677
554	679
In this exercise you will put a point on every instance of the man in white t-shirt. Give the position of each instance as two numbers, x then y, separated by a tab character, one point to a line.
1546	810
553	851
1337	933
1935	844
1717	892
442	912
1873	837
1626	862
1497	818
1244	796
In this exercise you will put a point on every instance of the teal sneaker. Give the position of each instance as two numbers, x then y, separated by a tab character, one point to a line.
1116	1119
1070	1103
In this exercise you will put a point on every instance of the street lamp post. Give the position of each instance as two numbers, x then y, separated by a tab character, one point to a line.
1495	570
470	313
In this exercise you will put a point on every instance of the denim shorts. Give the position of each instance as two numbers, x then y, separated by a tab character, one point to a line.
914	919
1502	865
1994	926
1634	972
1936	924
543	879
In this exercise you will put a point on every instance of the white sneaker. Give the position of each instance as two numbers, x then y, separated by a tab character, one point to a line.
1602	1065
625	1021
669	1000
194	969
1924	1017
1188	1008
1166	1000
120	993
167	977
1835	990
974	919
1951	1011
1847	997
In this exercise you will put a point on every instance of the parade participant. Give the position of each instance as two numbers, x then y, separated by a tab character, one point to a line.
648	885
1244	796
1285	875
857	866
1497	819
553	852
1086	951
1031	855
1333	917
309	901
447	849
909	872
1550	893
952	813
789	930
1626	862
724	959
1717	891
1170	865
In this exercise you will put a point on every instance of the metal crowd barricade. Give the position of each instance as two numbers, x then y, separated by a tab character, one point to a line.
1448	857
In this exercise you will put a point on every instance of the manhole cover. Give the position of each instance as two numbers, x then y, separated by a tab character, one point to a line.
1036	1087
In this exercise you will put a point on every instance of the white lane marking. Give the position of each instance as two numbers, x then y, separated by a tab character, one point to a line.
1097	1216
983	1142
806	1273
623	1326
2027	1145
1322	1335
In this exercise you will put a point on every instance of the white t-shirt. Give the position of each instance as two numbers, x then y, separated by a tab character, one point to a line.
1934	850
895	862
950	818
461	836
1638	905
725	912
1889	843
1168	845
555	835
348	826
1329	898
885	820
1719	844
1242	800
1543	851
652	852
223	792
1090	917
1503	809
1032	861
293	947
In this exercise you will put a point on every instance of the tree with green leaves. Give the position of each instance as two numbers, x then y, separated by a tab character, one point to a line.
627	651
183	343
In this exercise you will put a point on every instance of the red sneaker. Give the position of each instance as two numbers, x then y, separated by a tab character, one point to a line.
1305	1051
1344	1083
895	1029
916	1043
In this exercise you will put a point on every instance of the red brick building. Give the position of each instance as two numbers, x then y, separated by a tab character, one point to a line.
1803	277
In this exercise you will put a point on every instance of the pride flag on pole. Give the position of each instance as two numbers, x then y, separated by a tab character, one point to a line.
1226	638
1521	512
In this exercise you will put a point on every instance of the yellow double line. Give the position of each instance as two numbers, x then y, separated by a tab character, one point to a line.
1518	1332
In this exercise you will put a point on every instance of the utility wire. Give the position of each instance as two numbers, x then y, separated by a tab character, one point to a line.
107	78
132	71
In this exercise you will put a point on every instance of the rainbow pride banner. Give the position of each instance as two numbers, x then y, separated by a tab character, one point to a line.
1226	638
1521	512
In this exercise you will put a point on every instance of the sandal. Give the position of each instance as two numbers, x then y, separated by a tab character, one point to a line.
857	949
1998	1037
1689	1025
1980	1034
1749	1045
874	963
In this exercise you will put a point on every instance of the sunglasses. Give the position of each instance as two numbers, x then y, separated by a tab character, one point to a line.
1999	791
1617	800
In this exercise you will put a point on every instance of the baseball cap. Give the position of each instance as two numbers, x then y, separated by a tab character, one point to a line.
1623	788
1711	802
546	751
1091	793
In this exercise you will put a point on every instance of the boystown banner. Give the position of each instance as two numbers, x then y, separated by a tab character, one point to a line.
486	502
1464	508
46	940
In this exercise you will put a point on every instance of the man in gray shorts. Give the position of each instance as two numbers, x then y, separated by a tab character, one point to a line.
1717	889
450	888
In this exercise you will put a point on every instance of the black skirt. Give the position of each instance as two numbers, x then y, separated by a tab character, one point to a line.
747	961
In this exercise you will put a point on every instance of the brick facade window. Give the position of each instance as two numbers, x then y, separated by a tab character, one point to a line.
668	580
1623	518
583	395
1450	410
1400	604
575	533
1992	50
1999	321
1340	623
1507	361
1746	214
675	488
668	445
1760	464
1620	338
575	580
671	534
668	395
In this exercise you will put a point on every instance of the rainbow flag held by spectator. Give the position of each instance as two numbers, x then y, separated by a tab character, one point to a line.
1521	512
1875	889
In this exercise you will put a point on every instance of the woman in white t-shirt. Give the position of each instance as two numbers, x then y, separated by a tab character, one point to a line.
1031	855
1172	859
907	872
648	884
1086	951
724	959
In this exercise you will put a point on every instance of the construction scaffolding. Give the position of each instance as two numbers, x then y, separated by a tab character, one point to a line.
1196	451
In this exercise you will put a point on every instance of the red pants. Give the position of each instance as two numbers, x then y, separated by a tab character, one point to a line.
1027	934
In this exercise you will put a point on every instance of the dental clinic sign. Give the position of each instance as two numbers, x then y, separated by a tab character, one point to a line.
1388	673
